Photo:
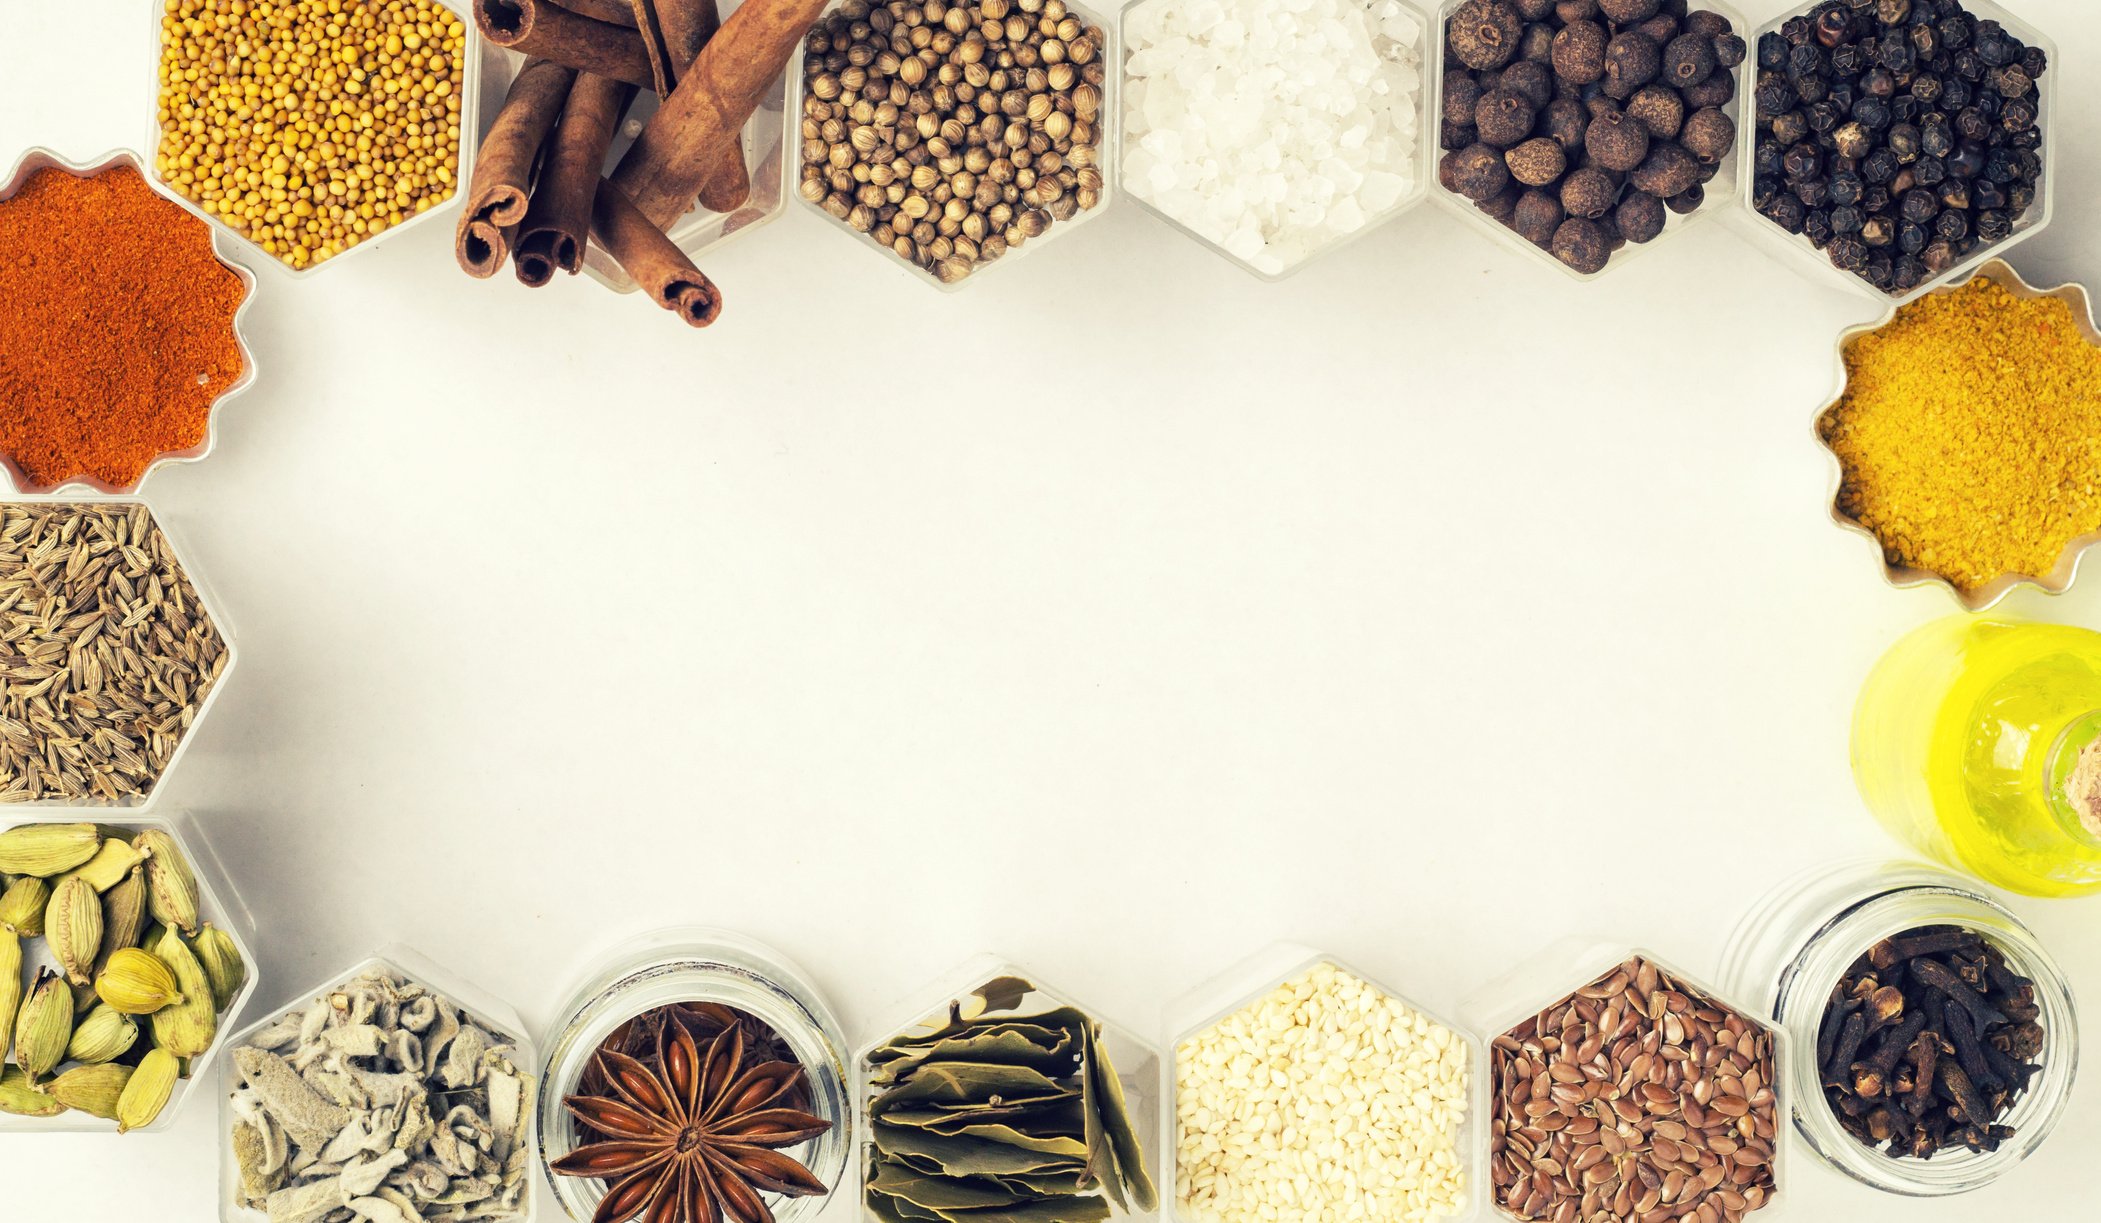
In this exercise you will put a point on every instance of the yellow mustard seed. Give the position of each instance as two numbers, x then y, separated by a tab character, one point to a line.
286	117
1970	434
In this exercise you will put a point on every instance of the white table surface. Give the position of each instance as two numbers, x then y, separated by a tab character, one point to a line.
1122	614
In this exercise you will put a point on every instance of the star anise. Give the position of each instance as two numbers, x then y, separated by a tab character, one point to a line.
695	1139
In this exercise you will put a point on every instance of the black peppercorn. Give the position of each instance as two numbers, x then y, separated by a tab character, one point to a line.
1816	226
1537	162
1579	52
1955	194
1878	232
1849	255
1994	224
1879	272
1879	166
1814	192
1537	216
1967	161
1938	257
1847	221
1802	161
1912	238
1919	205
1773	98
1953	224
1985	193
1790	128
1788	213
1583	245
1668	170
1852	139
1640	217
1872	113
1904	142
1846	187
1503	117
1910	273
1617	141
1484	33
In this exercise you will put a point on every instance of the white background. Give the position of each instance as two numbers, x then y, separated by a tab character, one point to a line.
1122	614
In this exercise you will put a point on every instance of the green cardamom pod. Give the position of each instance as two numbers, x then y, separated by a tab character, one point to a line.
171	887
23	1100
138	982
22	906
223	965
93	1090
147	1091
10	986
104	1036
186	1026
109	865
44	1026
45	850
73	927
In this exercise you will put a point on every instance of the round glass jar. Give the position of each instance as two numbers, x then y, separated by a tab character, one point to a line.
1789	953
699	965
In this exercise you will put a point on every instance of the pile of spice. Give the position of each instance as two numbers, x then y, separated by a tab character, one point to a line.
118	334
952	134
1273	128
112	1021
1929	1040
381	1100
1003	1108
1368	1094
547	183
1897	136
106	652
1583	124
1635	1097
309	126
1969	434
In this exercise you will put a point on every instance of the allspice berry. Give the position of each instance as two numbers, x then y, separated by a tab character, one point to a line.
1687	203
1502	206
1709	135
1579	53
1668	170
1660	110
1589	193
1532	80
1503	117
1582	245
1535	10
1566	120
1538	215
1477	172
1484	33
1627	12
1688	60
1717	90
1632	60
1640	217
1617	141
1537	162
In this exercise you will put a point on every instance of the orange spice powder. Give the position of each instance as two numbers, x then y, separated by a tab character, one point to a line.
116	333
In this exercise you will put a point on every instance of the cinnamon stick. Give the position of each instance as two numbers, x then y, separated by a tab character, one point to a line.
614	12
651	260
558	225
673	32
692	147
548	31
497	196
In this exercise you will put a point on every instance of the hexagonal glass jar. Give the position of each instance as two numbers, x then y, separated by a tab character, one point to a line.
1107	54
1422	164
492	1015
764	140
1791	949
36	160
697	964
463	173
1550	979
1253	979
1795	250
217	903
1135	1059
212	606
1721	192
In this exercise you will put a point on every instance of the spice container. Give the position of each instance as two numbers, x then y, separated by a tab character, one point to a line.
2075	444
106	760
186	883
402	54
1797	251
448	1072
1584	74
1789	954
39	160
1415	1078
992	42
1001	1090
716	976
1623	1077
1171	49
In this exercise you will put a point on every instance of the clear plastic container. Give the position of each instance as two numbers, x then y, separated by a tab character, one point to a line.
698	965
1722	192
1253	978
217	903
1789	952
1795	250
470	137
1424	163
402	962
1108	161
1567	966
37	160
1137	1061
213	605
699	231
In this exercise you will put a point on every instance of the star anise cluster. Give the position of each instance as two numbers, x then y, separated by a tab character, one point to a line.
694	1135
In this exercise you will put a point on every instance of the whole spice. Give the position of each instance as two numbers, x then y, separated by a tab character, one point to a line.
1968	437
1345	1068
1928	1041
1632	1097
1006	1099
361	131
73	928
118	335
951	135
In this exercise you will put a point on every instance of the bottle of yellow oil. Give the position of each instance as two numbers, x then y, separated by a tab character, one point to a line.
1978	742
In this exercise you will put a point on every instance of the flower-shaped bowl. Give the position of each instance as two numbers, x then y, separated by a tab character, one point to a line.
37	160
2061	575
1421	165
1720	192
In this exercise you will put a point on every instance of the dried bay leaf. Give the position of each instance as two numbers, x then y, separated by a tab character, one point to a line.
971	1156
1115	1113
963	1084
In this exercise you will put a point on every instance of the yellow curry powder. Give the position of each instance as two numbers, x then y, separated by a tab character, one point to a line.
1970	434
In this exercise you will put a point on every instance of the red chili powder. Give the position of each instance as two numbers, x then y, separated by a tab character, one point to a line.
116	328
